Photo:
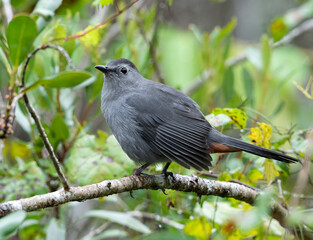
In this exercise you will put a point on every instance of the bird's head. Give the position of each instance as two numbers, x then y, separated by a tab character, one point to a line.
119	71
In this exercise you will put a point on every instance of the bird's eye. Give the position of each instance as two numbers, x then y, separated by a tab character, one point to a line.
124	70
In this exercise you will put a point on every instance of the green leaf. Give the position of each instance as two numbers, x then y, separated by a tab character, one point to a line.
228	84
106	2
59	128
21	33
4	60
254	175
10	223
61	80
90	40
120	218
46	8
278	28
266	53
225	176
94	159
270	172
21	181
248	85
218	34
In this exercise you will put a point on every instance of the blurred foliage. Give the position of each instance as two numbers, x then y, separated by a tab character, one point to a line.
256	100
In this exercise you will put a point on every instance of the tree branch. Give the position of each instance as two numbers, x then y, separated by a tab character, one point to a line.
35	116
194	184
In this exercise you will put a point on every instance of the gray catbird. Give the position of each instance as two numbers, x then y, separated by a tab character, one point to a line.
157	123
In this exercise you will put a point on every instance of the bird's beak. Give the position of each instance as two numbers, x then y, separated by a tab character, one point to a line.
102	68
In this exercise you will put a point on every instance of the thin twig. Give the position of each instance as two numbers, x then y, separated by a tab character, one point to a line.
96	26
47	144
64	53
34	115
233	61
199	80
96	231
151	46
31	55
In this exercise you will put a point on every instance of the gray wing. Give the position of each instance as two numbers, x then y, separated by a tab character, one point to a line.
171	123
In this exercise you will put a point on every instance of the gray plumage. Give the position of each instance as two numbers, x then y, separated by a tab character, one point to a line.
157	123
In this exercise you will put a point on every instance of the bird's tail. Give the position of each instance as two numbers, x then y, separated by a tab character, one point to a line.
221	143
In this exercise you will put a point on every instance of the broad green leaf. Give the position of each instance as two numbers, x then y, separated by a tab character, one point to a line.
238	116
46	8
254	175
61	80
270	172
92	161
120	218
218	34
248	85
199	228
21	33
22	180
228	84
10	223
59	128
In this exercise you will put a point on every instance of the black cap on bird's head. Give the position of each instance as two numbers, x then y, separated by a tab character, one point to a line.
119	66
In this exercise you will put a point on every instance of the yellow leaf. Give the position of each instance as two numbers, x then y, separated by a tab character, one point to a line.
90	39
256	136
238	116
261	135
267	133
225	176
270	171
254	175
198	228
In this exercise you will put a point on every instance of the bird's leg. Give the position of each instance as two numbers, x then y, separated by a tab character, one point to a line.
166	173
138	172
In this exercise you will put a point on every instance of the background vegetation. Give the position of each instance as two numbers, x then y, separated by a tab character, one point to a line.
259	89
